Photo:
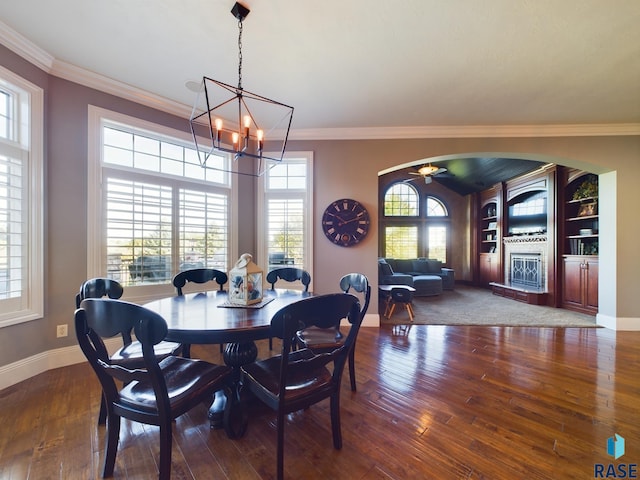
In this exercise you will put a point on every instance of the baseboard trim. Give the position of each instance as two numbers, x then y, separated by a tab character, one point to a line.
26	368
618	323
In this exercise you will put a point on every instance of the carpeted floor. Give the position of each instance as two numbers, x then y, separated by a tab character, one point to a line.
476	306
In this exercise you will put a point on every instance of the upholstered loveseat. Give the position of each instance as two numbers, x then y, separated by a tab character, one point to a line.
427	276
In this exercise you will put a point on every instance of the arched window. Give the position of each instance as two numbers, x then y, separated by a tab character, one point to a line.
435	208
411	229
436	231
401	200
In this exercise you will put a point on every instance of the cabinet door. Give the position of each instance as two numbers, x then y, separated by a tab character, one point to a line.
591	284
488	268
572	282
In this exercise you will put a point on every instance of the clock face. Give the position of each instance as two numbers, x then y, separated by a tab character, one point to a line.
345	222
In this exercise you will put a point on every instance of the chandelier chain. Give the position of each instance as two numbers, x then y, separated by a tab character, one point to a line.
240	55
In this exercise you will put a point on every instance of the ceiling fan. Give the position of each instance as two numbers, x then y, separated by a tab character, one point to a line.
427	172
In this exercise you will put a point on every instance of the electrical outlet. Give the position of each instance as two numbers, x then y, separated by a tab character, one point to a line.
61	330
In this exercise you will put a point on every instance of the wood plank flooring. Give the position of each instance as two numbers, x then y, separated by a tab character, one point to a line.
432	402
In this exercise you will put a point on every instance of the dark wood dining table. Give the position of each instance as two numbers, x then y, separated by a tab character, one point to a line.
209	318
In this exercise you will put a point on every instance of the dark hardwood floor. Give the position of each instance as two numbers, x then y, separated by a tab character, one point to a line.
432	402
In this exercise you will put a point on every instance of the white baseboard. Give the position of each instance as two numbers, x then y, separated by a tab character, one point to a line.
618	323
26	368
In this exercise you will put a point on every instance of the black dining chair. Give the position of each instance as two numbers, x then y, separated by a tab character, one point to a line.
288	274
200	276
154	393
131	351
322	340
297	379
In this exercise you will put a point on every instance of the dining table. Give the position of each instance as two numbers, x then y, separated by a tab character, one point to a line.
210	318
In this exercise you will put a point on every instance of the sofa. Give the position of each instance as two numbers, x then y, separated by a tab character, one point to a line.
427	276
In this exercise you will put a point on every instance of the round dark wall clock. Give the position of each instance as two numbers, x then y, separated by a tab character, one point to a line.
345	222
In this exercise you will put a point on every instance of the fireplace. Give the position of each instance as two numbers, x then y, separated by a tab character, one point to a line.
526	270
525	262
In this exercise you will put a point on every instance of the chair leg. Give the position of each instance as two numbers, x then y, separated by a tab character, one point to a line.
352	368
270	343
280	453
165	451
335	420
186	350
409	310
102	416
111	448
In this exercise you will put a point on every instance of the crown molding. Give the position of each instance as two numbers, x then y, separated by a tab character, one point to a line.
43	60
468	131
108	85
25	48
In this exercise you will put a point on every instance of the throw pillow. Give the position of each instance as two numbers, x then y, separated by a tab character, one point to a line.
421	266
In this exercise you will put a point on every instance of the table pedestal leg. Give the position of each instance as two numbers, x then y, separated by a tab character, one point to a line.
235	355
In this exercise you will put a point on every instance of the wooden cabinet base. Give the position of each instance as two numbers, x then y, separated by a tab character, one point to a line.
519	294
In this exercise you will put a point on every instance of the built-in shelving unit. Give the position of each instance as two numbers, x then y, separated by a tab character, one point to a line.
580	255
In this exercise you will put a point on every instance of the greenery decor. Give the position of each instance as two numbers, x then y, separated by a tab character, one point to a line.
587	189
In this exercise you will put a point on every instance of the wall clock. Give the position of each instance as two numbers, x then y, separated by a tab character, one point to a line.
345	222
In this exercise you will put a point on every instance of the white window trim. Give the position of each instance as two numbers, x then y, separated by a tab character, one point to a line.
95	249
308	226
33	142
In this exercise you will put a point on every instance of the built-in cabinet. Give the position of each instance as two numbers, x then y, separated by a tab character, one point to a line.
579	274
490	236
580	283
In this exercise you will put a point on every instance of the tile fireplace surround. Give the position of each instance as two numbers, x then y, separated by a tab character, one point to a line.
526	245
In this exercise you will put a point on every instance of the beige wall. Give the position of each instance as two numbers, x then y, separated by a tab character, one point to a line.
342	169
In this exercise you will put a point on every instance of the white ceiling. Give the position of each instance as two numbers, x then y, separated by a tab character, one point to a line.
364	63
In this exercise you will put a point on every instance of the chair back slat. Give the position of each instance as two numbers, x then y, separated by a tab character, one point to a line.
199	275
289	274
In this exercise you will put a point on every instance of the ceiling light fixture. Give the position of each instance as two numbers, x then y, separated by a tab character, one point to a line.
238	121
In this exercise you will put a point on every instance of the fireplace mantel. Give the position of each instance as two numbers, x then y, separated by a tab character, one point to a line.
525	239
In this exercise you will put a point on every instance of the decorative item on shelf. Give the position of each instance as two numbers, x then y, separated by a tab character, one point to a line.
492	225
587	189
586	231
588	209
245	281
236	120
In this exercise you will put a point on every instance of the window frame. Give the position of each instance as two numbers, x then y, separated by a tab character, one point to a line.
28	144
422	220
97	119
307	195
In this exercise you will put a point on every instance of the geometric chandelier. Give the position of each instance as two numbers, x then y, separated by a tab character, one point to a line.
239	122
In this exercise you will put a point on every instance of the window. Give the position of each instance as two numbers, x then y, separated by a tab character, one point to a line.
284	226
21	203
401	200
425	234
163	213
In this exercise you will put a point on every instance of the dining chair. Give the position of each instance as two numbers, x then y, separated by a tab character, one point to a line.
131	351
288	274
296	379
322	340
198	275
154	393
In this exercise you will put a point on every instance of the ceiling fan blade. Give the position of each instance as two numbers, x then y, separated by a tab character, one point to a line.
439	171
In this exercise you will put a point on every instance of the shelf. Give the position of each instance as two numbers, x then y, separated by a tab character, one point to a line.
583	200
490	218
593	235
586	217
489	241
